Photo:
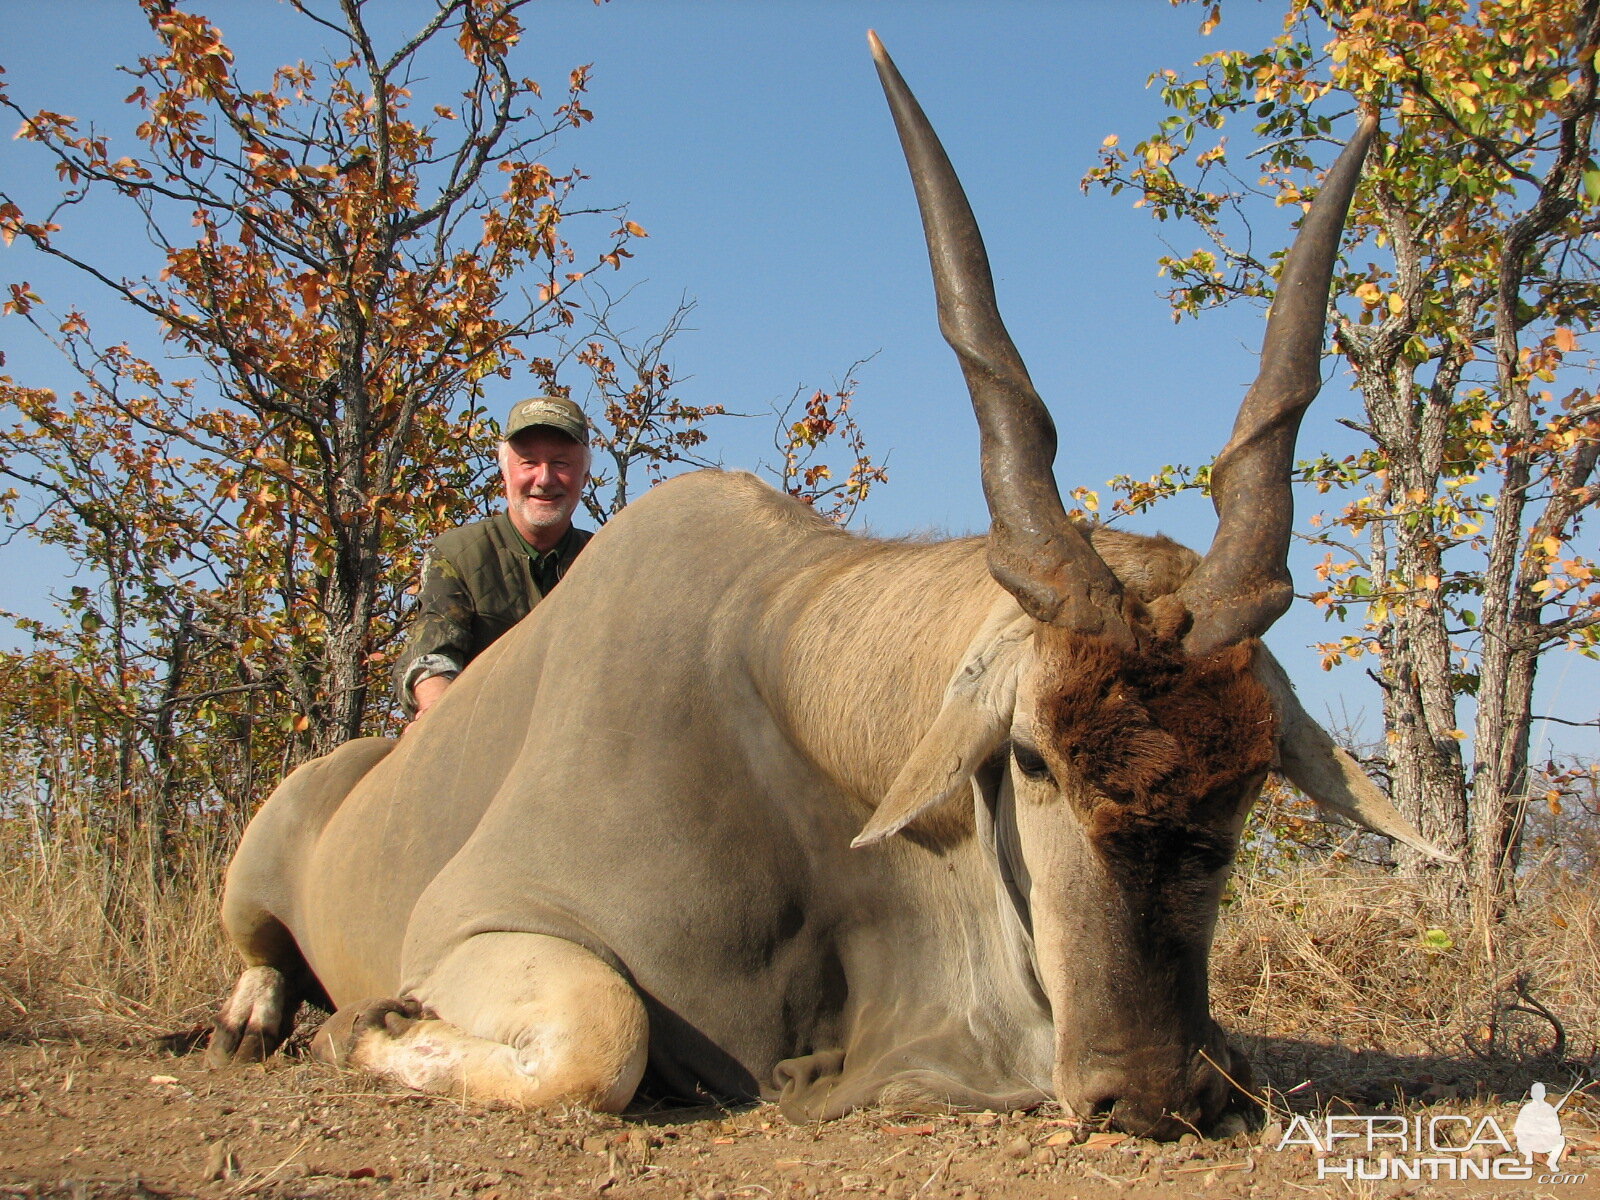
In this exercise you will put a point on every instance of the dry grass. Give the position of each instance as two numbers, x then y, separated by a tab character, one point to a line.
90	948
1342	983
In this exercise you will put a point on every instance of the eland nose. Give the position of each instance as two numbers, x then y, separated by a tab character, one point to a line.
1154	1099
1139	1112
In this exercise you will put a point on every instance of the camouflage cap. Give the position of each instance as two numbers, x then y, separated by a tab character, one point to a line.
554	411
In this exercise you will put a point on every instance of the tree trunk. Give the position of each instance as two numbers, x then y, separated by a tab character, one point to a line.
164	783
1500	780
1427	776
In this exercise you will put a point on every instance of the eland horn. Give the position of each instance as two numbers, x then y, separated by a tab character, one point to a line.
1035	551
1243	584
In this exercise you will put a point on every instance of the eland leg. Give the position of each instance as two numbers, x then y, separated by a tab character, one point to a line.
518	1018
260	898
260	1011
257	1017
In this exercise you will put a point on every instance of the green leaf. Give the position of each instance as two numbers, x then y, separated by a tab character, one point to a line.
1437	941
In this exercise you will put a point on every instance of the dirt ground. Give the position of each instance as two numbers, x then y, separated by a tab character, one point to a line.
95	1122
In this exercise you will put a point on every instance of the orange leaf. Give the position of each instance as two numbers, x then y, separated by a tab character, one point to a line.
1104	1141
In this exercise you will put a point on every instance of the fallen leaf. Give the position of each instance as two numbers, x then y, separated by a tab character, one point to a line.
1104	1141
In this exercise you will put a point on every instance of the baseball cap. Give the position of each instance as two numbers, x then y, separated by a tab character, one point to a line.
557	412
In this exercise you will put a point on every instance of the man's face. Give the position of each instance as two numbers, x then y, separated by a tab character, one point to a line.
544	473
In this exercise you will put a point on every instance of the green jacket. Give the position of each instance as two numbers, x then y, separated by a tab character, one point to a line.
477	582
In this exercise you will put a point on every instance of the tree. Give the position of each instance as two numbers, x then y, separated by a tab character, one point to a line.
642	422
1466	308
346	272
637	417
344	268
825	418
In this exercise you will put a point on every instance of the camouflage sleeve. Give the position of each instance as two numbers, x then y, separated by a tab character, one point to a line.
439	638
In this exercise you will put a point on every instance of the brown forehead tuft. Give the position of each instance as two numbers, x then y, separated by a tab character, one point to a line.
1155	731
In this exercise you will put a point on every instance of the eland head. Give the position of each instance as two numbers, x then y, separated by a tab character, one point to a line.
1120	740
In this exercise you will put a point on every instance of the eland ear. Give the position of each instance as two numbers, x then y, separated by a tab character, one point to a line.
1311	761
940	768
972	724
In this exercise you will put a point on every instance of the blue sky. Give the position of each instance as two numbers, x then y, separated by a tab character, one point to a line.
750	138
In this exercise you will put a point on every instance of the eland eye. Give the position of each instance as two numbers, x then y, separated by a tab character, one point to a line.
1030	762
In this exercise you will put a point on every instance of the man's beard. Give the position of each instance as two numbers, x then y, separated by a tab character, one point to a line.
537	515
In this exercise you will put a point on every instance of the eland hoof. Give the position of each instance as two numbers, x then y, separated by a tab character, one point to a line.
335	1043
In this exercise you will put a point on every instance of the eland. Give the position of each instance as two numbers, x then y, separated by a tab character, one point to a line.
754	807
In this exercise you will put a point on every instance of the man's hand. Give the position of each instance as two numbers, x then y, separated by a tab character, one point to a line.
427	691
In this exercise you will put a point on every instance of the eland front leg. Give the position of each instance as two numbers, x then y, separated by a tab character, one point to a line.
516	1018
